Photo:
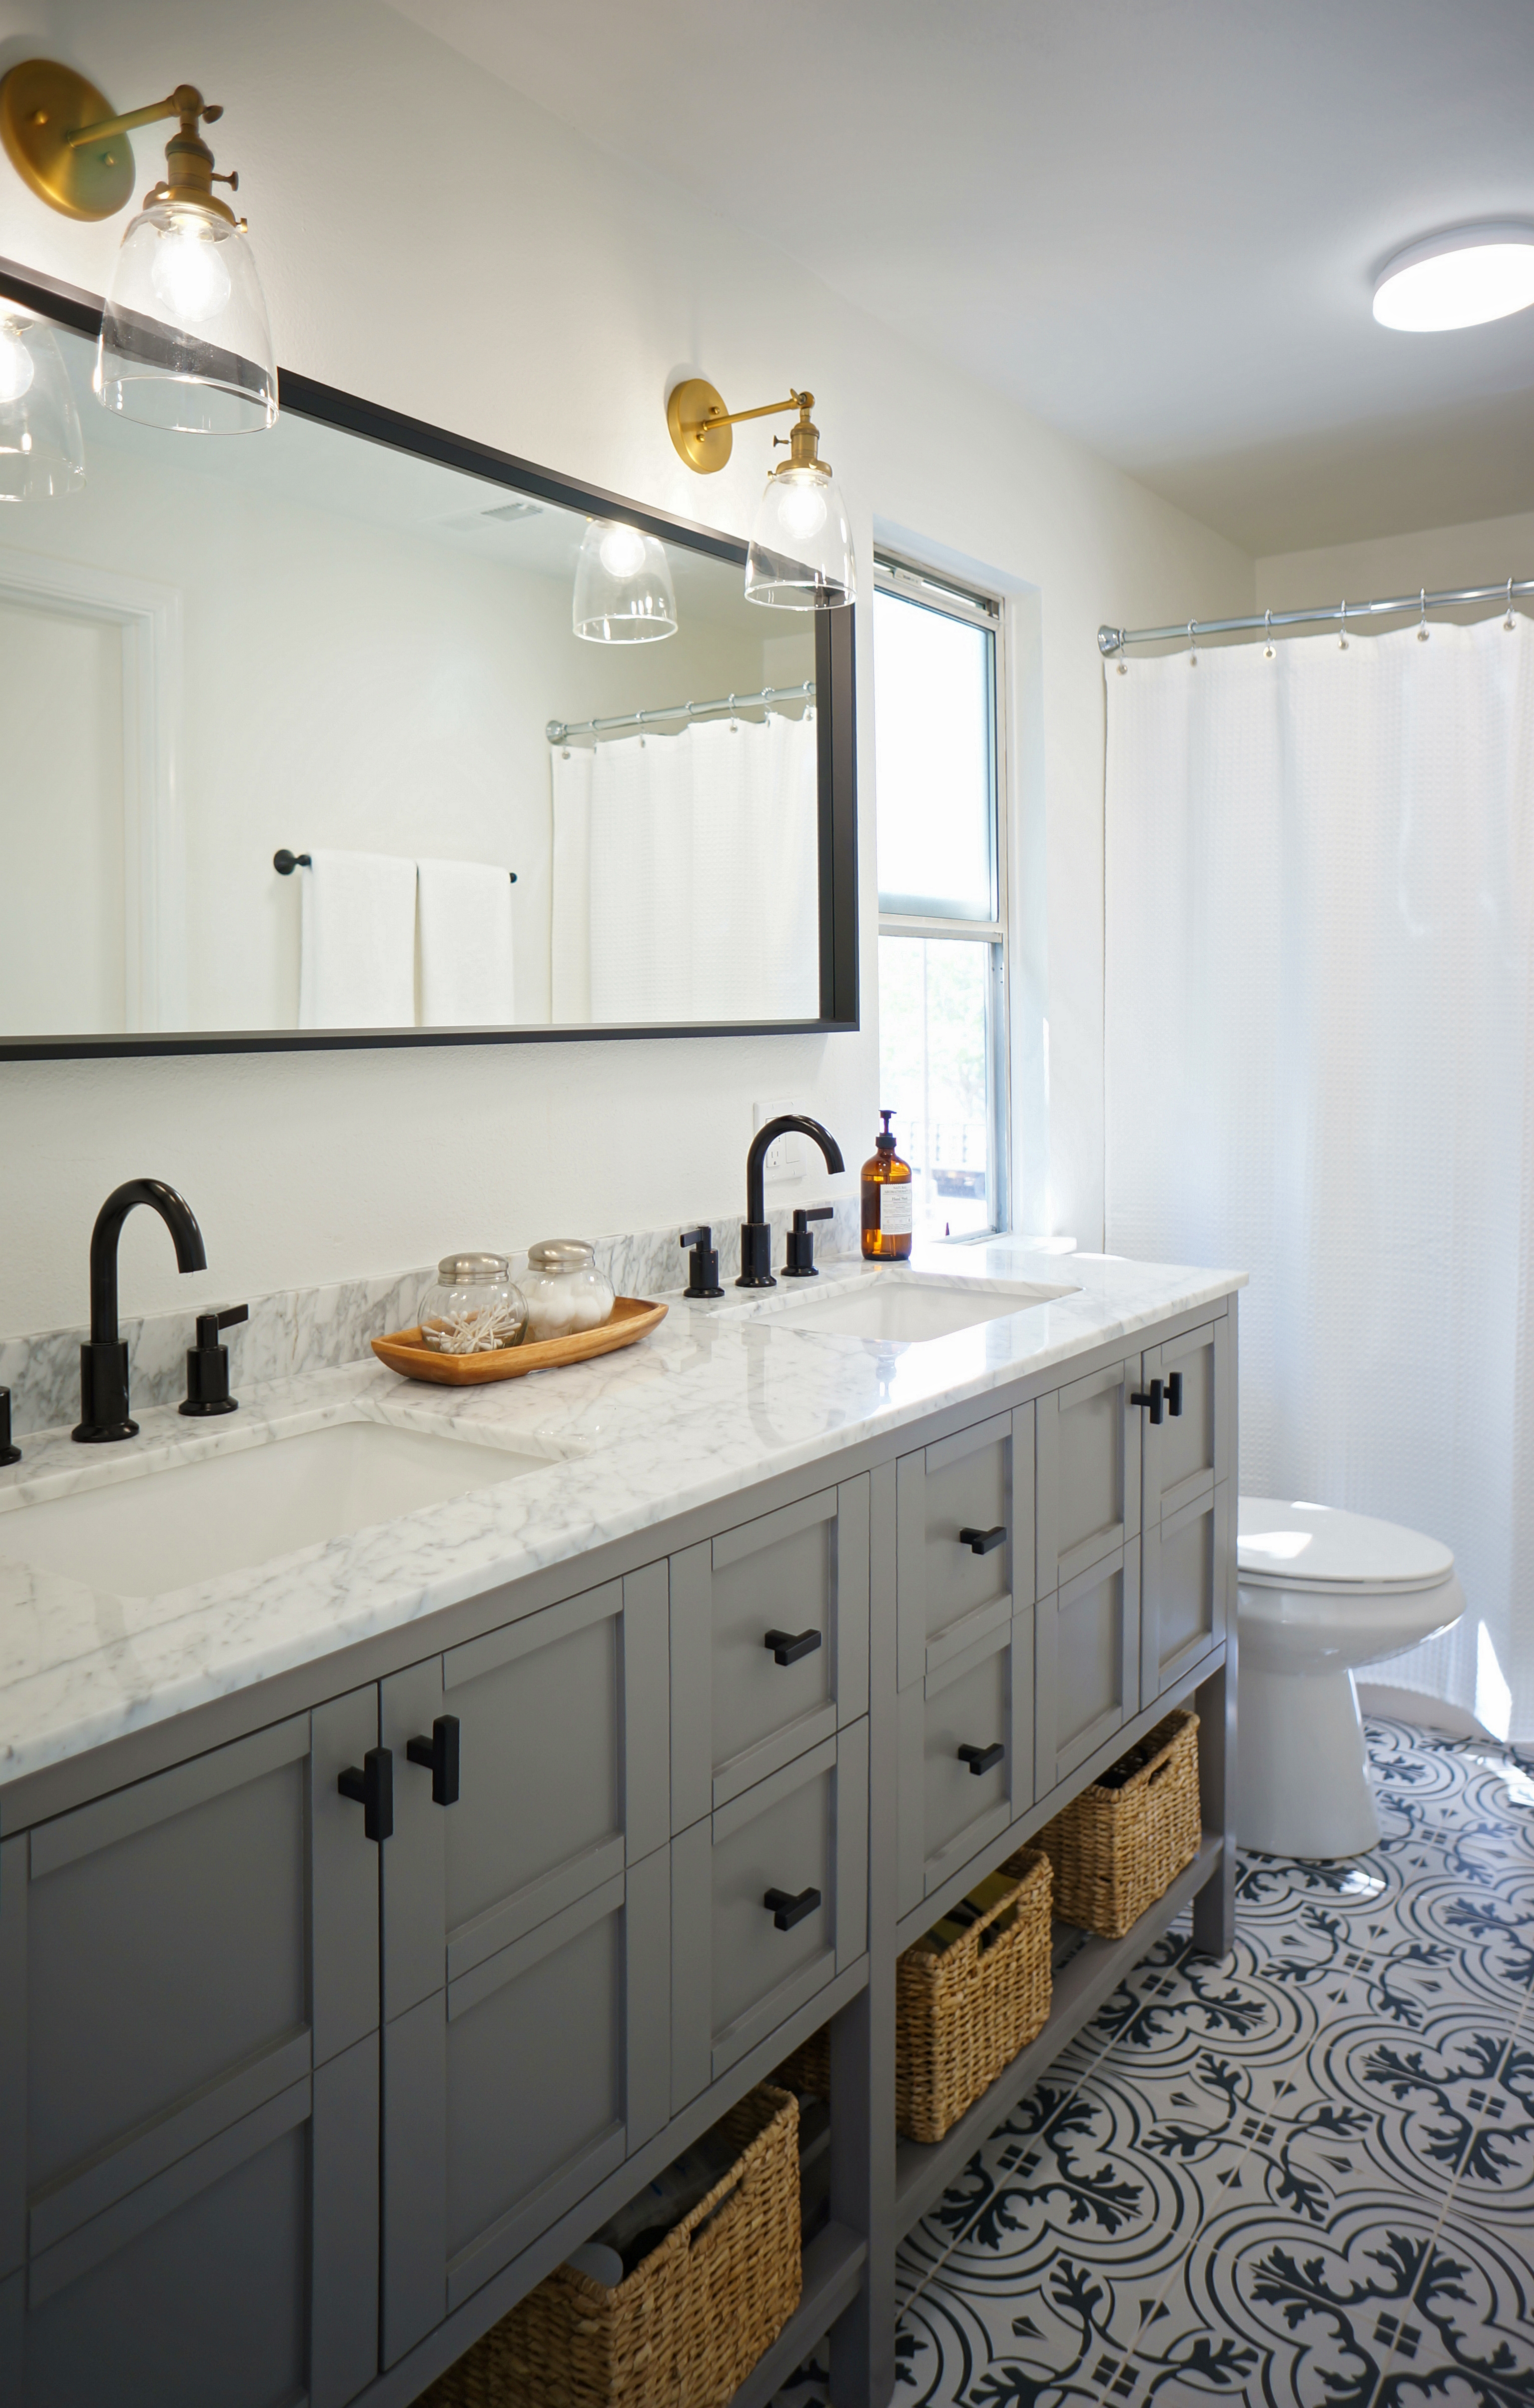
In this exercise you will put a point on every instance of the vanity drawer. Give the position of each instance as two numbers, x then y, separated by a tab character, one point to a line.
1087	1664
739	1966
1088	1451
1187	1451
561	1730
963	1541
769	1645
978	1702
1184	1610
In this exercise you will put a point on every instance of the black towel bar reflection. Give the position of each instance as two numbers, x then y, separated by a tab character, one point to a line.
285	863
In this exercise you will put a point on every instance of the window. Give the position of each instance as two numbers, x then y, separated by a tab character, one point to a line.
942	894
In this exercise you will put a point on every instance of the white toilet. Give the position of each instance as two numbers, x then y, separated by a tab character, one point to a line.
1320	1591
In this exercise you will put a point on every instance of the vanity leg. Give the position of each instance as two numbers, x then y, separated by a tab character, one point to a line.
863	2035
1214	1907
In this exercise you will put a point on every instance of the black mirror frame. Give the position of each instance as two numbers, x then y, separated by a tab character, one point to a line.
836	723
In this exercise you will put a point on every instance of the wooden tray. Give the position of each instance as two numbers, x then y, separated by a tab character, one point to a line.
631	1318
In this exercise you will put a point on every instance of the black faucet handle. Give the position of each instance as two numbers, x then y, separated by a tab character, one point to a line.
800	1261
703	1265
9	1454
208	1365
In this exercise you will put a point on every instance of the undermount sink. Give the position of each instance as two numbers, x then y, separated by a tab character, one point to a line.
164	1529
902	1307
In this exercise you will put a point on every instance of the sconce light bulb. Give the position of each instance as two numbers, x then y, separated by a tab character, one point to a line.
188	275
801	509
622	551
16	365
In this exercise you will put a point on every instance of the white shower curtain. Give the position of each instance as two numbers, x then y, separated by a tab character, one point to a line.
1320	1070
686	879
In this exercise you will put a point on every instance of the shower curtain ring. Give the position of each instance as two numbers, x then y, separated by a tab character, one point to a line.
1421	625
1123	668
1507	624
1268	623
1343	638
1192	645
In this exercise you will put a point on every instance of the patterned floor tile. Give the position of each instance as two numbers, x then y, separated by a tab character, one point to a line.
1302	2178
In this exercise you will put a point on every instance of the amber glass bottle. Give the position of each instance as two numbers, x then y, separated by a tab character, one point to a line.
887	1200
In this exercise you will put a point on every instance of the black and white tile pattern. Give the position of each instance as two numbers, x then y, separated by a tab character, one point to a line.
1302	2178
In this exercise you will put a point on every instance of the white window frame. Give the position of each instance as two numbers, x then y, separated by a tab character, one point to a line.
933	591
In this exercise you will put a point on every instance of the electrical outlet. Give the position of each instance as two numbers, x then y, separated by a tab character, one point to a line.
784	1162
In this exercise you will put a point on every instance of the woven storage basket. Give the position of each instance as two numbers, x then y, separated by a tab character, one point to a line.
810	2067
1115	1851
961	2018
686	2328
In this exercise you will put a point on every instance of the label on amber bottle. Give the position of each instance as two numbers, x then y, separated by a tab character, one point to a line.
895	1209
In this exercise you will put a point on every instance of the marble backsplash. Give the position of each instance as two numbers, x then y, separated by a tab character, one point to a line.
319	1329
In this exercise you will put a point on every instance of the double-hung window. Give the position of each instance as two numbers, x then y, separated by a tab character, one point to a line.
942	893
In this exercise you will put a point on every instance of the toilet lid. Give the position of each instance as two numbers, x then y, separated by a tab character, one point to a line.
1301	1546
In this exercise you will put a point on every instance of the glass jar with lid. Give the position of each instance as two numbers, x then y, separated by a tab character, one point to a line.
566	1292
475	1308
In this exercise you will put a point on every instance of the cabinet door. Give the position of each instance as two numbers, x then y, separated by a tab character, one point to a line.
1186	1452
527	1944
965	1743
742	1962
769	1645
1088	1451
1087	1663
1183	1612
965	1541
189	2082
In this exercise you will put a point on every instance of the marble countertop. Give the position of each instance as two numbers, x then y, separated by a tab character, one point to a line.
707	1405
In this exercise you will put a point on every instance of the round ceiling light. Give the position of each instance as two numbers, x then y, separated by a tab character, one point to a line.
1463	279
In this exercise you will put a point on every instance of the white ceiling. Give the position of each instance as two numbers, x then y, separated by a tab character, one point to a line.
1153	222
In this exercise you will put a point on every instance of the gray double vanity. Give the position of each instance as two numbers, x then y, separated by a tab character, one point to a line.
457	1798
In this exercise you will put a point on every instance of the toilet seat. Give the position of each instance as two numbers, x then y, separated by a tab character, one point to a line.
1320	1551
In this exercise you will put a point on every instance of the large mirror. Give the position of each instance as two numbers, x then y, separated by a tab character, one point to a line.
301	747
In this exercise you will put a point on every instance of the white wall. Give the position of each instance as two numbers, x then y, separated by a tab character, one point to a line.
437	243
1486	551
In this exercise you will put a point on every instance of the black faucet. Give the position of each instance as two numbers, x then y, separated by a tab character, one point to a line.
104	1360
755	1229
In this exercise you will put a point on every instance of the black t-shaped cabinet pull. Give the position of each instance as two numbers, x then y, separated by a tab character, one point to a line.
983	1759
982	1543
788	1646
371	1786
786	1909
1138	1397
1174	1395
438	1756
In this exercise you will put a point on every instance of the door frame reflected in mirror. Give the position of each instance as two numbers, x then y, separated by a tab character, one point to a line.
65	306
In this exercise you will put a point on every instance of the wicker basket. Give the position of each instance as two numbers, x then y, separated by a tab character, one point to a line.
810	2067
686	2328
1121	1843
961	2016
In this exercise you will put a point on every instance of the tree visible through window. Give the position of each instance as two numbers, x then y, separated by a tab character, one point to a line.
942	895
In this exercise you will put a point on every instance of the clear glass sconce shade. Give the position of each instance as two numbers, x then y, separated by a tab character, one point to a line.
624	592
801	545
185	341
41	453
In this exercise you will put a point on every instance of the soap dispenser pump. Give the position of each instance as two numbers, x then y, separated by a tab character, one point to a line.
208	1365
887	1200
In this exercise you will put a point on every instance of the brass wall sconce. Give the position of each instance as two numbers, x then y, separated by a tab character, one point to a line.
801	545
185	341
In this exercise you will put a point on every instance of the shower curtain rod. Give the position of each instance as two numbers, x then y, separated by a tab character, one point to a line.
558	729
1112	639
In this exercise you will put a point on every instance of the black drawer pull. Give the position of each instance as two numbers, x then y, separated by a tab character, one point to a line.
788	1646
983	1759
1138	1397
787	1910
1174	1395
438	1756
981	1542
371	1786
